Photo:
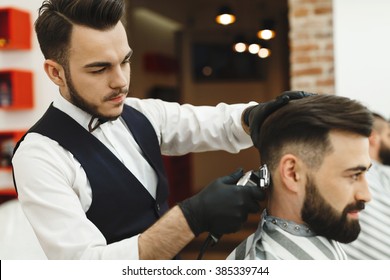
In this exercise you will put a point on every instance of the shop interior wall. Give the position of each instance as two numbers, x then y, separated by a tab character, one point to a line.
148	35
32	60
362	57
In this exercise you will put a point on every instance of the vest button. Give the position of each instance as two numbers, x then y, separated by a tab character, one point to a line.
158	207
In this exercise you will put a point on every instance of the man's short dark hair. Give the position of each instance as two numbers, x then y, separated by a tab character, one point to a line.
304	126
57	17
379	122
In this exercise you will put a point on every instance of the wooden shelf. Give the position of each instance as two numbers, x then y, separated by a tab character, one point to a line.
6	169
16	89
7	194
15	29
8	140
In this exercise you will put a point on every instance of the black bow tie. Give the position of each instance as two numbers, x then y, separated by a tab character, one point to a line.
92	126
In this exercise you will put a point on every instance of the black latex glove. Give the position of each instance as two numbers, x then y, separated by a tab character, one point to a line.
222	207
255	116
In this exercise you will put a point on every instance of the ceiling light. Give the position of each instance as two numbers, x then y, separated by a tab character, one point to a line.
225	16
267	30
264	51
240	47
254	48
240	44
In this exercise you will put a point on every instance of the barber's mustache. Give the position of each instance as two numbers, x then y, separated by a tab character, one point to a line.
116	94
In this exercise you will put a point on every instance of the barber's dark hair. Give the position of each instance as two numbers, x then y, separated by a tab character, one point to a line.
305	124
57	17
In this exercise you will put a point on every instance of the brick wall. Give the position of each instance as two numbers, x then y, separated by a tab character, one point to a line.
311	45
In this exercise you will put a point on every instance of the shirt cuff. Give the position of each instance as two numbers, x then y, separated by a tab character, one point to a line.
126	249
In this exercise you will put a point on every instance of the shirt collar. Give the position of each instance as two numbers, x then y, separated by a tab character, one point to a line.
271	223
288	226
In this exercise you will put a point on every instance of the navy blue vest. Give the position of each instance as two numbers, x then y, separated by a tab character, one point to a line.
121	206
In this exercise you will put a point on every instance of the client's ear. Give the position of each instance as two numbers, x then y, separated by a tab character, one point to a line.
374	140
291	172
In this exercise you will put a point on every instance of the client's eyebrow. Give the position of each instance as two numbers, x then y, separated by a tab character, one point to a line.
359	168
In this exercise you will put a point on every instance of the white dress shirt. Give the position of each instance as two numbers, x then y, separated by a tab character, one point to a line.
54	190
17	239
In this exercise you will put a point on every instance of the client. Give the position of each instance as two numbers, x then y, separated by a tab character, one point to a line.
317	151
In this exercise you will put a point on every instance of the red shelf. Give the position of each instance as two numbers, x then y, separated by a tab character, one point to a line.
6	169
8	140
7	194
16	89
15	29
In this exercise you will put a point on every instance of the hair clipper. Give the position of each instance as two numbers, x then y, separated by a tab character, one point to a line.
260	178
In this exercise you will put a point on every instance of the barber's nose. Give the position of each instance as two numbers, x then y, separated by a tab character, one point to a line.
119	78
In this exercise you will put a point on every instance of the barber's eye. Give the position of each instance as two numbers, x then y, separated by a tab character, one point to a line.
127	61
98	71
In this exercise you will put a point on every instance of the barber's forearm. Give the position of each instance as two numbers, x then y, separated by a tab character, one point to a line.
166	238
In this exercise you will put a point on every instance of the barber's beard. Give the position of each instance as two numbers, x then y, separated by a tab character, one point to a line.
384	154
82	103
324	220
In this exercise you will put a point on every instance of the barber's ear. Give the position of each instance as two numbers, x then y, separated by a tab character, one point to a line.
55	72
291	172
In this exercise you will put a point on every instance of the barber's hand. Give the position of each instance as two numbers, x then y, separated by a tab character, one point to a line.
222	207
255	116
